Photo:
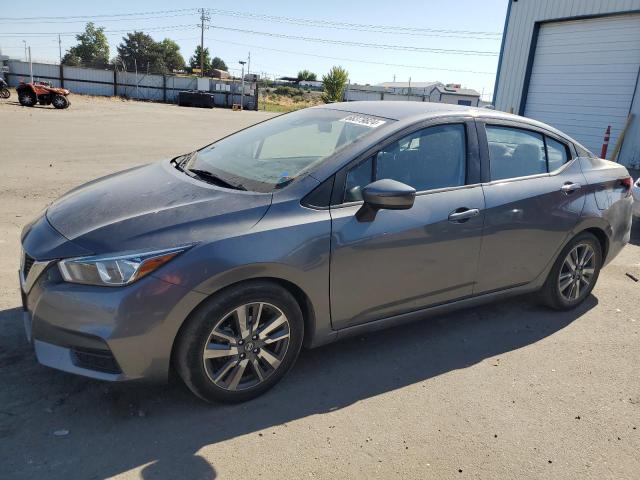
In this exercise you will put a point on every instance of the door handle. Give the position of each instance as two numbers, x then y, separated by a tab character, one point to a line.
462	214
570	187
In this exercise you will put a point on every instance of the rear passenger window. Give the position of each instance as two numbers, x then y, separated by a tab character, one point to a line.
556	154
515	153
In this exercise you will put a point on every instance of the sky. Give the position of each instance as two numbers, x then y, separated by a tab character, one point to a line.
449	41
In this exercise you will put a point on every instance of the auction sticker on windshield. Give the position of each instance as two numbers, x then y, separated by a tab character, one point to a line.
364	120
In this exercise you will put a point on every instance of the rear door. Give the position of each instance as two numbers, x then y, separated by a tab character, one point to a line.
406	260
534	193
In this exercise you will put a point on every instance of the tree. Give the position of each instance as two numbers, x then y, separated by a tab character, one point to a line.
72	60
306	76
218	64
92	49
334	84
140	50
170	54
194	62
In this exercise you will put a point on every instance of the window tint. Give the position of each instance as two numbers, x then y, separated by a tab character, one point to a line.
357	178
427	159
515	153
556	154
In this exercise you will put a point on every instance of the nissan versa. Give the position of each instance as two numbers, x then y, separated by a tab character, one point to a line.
309	227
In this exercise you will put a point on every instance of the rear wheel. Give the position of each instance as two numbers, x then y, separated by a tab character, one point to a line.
240	343
60	101
574	274
27	98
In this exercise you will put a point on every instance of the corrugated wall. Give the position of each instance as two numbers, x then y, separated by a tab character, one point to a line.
91	81
523	15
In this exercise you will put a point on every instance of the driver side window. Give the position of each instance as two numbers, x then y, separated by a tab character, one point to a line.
428	159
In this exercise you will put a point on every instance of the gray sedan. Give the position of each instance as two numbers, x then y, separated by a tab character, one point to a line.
310	227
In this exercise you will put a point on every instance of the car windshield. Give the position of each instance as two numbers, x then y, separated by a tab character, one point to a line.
273	153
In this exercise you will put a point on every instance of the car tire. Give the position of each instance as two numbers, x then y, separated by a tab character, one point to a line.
566	287
27	98
245	364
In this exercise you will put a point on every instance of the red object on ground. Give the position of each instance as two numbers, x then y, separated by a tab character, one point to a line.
605	145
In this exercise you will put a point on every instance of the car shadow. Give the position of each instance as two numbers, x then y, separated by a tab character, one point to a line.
635	232
114	428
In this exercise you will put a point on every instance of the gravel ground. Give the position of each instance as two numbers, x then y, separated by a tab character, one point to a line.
509	390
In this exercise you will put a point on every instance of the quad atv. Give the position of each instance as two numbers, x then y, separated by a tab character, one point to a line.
42	92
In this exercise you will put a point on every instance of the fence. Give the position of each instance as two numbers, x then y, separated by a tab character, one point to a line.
162	88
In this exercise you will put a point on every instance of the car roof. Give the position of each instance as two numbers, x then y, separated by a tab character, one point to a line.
415	111
400	110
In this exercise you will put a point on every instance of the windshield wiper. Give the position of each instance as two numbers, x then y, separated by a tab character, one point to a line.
209	177
181	161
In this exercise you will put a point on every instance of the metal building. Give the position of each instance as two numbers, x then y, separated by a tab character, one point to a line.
574	64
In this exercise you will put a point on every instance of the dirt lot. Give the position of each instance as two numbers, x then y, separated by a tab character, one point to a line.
509	390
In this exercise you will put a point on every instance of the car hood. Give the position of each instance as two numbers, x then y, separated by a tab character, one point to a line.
153	206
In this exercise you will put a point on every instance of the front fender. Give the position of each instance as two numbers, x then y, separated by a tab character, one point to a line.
292	244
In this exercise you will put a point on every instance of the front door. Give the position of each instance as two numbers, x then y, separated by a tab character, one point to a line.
406	260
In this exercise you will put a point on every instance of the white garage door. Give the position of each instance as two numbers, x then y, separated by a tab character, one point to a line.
584	76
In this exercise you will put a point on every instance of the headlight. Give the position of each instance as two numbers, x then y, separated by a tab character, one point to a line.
115	270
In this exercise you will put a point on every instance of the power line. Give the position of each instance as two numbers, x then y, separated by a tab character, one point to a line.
363	44
376	28
350	59
66	34
285	36
123	19
67	17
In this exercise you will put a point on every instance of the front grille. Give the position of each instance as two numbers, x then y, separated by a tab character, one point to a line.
27	263
95	359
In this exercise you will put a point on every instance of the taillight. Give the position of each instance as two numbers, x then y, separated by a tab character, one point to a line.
627	183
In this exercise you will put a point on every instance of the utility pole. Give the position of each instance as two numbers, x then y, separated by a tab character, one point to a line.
60	48
203	17
248	63
30	66
241	62
26	59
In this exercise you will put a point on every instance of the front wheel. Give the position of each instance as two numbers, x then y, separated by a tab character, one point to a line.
60	101
5	93
574	274
240	342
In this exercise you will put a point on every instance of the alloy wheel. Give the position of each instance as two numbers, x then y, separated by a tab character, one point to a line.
577	272
246	346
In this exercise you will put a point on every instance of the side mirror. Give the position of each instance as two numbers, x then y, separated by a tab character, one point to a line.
385	194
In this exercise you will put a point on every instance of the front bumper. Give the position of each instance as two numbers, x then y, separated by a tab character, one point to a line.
107	333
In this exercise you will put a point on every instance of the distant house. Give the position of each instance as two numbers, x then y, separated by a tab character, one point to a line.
414	91
453	93
221	74
408	88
